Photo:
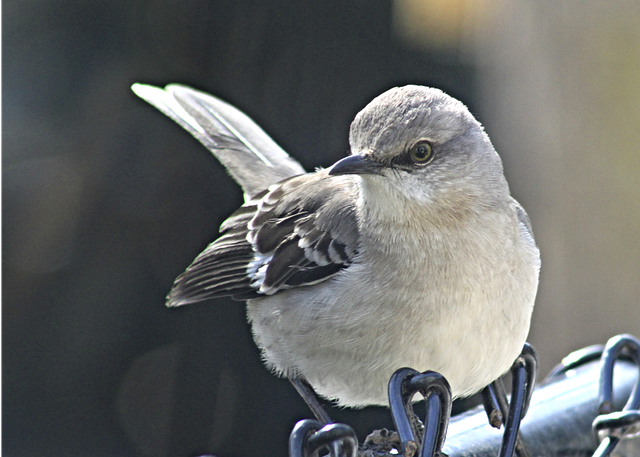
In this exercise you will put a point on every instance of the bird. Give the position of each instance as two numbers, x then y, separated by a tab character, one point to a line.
408	252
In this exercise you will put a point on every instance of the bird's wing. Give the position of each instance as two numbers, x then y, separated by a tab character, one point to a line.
254	160
298	232
525	223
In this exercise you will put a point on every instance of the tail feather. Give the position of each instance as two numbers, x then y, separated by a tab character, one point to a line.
253	159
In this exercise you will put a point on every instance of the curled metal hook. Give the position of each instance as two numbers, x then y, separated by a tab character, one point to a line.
530	360
612	351
523	376
576	359
500	411
403	385
309	436
615	425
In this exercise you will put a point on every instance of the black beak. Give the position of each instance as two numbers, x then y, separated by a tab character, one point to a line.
357	164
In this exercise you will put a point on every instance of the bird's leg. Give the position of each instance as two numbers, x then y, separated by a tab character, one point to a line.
494	400
311	398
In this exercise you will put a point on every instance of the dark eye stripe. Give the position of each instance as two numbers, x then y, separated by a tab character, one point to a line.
402	161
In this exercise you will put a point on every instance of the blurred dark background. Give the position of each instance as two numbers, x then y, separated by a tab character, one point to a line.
106	201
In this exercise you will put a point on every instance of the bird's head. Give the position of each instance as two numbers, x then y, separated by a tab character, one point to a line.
424	144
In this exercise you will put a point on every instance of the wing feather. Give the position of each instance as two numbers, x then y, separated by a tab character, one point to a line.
288	236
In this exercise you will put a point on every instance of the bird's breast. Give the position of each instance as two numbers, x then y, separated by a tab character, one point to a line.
455	300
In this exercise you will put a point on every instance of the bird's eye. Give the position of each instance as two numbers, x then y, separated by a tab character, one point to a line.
421	152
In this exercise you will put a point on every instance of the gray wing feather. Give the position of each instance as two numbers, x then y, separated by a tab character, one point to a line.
254	160
523	218
299	232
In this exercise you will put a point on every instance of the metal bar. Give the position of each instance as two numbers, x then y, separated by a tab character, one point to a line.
559	420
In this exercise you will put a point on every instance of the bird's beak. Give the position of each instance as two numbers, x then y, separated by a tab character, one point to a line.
357	164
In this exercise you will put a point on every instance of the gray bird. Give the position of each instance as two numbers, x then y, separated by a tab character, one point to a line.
409	252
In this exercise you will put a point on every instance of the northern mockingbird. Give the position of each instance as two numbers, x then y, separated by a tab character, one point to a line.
409	252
